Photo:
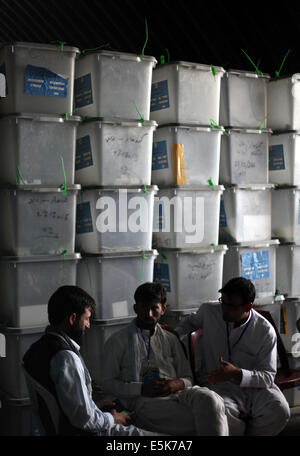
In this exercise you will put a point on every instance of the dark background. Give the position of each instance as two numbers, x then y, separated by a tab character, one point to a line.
210	32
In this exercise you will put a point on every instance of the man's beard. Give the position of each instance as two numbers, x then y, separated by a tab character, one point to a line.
76	333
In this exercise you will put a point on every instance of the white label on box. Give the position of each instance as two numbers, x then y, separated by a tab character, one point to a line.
119	309
2	346
33	315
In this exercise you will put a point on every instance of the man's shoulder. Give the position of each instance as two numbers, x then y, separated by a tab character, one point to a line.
261	323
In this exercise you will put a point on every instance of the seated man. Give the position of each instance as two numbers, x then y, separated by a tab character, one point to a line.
239	360
55	362
146	369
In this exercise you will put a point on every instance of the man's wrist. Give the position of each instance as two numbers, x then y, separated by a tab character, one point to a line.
238	375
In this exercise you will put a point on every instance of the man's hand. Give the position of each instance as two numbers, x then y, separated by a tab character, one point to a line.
121	418
105	405
226	372
162	387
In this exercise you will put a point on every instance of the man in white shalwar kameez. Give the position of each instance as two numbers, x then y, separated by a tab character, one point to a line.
239	360
146	369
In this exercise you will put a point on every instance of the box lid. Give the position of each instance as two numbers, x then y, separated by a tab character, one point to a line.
121	122
277	299
193	65
119	55
41	117
187	126
286	187
284	132
294	78
7	330
249	186
194	250
120	254
40	188
248	130
128	189
289	244
196	188
247	74
111	321
256	244
40	258
42	46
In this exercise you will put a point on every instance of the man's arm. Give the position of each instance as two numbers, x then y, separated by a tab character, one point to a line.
67	373
111	373
181	364
191	323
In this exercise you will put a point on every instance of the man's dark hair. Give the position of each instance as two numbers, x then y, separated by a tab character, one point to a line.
150	292
67	300
239	286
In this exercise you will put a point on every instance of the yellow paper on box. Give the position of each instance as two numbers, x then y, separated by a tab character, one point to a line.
178	164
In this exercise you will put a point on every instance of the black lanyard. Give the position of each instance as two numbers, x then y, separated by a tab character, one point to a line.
241	335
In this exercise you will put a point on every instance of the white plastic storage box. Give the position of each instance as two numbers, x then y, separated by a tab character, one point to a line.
112	279
39	78
288	269
17	417
185	92
187	216
185	155
114	152
273	306
37	149
244	156
284	103
284	158
290	313
17	342
256	262
245	213
113	84
286	213
115	219
243	101
27	284
92	348
37	220
190	276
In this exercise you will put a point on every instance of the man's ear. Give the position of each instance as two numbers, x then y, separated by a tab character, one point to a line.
134	307
72	319
249	306
163	308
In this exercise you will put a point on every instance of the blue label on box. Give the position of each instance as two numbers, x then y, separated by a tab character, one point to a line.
83	94
41	81
159	96
84	222
84	157
223	221
162	275
276	157
159	155
3	71
255	265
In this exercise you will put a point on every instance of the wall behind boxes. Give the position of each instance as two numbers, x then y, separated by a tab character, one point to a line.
63	258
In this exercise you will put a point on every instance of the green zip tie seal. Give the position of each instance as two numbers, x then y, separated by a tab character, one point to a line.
66	114
213	70
162	254
95	49
61	43
210	182
213	246
146	39
214	124
141	117
64	185
19	177
64	252
168	55
162	59
257	70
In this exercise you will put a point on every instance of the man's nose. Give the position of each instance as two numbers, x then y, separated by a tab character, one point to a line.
150	313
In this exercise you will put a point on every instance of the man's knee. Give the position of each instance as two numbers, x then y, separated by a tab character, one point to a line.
208	399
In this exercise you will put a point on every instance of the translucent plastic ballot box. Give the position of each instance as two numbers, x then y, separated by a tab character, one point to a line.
112	279
288	268
17	417
37	149
256	262
38	220
244	156
286	213
245	213
114	152
187	216
289	314
284	103
284	158
186	92
92	348
115	219
190	276
243	101
27	284
113	84
17	342
185	155
39	78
